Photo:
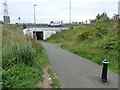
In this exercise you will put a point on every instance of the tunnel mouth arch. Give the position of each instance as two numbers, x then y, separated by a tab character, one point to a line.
39	35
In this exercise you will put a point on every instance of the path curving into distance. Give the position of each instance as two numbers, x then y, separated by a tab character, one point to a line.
74	71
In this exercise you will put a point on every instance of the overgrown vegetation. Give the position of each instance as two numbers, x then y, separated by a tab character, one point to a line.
23	59
0	56
96	41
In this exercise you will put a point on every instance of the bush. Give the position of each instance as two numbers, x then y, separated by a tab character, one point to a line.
84	35
17	54
110	44
24	26
21	76
101	29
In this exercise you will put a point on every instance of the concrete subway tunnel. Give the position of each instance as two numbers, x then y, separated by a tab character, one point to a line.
39	35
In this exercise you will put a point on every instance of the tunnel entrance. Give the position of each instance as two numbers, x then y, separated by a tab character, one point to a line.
39	35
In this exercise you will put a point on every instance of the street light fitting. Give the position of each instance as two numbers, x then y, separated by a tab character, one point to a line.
35	4
35	20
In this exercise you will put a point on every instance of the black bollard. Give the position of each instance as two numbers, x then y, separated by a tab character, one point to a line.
104	70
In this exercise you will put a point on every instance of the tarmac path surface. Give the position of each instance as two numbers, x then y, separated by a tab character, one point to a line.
74	71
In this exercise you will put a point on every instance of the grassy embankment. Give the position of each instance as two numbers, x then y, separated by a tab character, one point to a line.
23	60
96	42
0	56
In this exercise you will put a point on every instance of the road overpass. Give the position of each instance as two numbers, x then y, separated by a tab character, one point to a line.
43	33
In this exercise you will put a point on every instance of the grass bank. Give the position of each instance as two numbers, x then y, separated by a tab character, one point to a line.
96	41
0	56
23	59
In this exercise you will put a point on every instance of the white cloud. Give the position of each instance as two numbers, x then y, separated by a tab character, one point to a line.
47	10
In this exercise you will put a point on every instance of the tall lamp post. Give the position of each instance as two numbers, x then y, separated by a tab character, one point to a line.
70	14
35	20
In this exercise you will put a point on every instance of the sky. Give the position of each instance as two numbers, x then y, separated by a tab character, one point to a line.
57	10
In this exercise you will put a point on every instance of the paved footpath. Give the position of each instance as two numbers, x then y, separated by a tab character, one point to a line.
74	71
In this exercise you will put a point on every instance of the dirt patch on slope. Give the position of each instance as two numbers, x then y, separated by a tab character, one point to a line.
47	80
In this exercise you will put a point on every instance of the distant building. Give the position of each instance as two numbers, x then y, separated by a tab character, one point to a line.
119	9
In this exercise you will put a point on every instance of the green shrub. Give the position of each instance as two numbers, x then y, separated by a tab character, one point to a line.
84	35
110	44
21	76
101	29
17	54
24	26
